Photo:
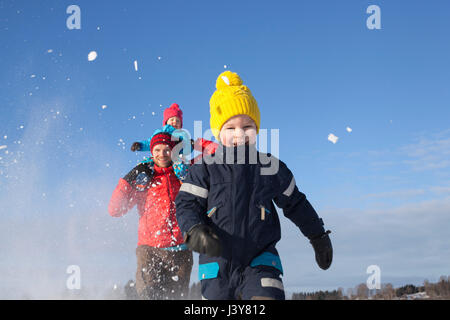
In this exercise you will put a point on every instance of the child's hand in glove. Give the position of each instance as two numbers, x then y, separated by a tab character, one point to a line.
323	249
136	146
202	239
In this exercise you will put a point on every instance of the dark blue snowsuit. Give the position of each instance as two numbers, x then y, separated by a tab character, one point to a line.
236	200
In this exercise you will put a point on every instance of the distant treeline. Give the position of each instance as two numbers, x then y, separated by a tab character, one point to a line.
438	290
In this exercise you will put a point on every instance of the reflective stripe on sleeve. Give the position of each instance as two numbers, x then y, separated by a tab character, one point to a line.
195	190
270	282
290	189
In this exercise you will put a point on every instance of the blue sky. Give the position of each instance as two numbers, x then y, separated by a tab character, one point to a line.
314	68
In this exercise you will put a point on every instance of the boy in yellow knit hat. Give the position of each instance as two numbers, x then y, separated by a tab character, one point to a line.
225	207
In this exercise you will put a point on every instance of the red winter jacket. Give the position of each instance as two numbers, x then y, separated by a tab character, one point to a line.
158	226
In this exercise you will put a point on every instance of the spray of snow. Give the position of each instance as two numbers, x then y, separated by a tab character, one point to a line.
53	218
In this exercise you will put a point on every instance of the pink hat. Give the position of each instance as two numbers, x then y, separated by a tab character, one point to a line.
173	111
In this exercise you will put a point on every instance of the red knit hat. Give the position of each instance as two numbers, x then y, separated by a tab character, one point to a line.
173	111
162	138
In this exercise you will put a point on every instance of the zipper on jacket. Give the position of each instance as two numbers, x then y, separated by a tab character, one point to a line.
172	238
232	209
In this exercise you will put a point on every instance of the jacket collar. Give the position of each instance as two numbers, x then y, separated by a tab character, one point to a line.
163	170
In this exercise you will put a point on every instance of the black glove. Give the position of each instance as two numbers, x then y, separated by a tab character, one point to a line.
131	176
323	249
202	239
136	146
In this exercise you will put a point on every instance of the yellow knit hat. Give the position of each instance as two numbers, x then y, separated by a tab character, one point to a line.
231	98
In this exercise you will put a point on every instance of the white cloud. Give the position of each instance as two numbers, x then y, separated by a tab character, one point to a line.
430	152
397	193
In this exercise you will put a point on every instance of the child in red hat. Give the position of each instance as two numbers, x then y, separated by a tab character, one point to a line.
173	116
173	123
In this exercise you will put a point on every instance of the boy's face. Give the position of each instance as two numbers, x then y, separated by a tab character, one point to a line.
162	155
174	122
238	130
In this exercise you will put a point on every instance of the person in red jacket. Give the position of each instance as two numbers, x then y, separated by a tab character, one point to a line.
164	263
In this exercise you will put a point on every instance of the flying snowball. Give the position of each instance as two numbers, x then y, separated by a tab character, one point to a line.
92	56
332	138
349	129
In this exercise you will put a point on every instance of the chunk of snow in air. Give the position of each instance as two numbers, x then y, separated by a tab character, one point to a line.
349	129
104	106
332	138
92	56
3	147
135	65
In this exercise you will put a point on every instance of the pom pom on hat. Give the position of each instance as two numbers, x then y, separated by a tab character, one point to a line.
228	78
